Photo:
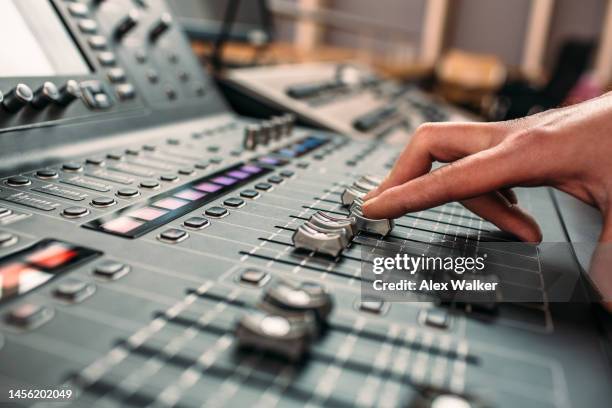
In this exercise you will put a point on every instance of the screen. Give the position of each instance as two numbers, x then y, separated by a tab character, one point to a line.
35	42
203	18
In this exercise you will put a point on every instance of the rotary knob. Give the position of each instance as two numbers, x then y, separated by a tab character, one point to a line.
69	92
45	95
127	24
161	26
17	98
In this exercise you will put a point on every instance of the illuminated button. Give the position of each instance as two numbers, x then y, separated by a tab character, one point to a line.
237	174
216	212
252	194
7	239
111	270
147	213
253	276
276	179
88	26
225	181
75	212
207	187
46	173
107	59
18	181
96	161
149	184
29	316
72	166
373	306
97	42
263	186
126	91
234	202
74	290
190	195
168	177
287	173
103	202
196	222
170	203
128	192
173	235
186	171
116	75
121	225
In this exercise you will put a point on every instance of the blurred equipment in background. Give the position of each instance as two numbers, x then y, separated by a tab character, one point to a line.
519	98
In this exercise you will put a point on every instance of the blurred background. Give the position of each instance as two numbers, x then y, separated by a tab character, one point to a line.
499	59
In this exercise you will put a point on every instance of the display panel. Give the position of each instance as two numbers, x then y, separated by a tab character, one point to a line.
45	47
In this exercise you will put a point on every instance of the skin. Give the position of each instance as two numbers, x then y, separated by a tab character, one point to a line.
569	149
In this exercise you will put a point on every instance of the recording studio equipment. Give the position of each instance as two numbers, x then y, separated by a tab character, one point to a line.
158	250
345	98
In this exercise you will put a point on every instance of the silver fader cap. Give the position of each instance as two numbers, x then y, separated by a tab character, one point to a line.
380	227
266	132
300	297
351	194
275	334
314	239
324	220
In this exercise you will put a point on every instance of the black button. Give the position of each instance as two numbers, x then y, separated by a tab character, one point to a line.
287	173
202	165
373	306
303	165
318	157
96	161
276	179
173	235
132	152
149	184
216	160
213	148
168	177
234	202
111	270
253	276
72	166
29	315
186	171
173	141
46	173
18	181
263	186
170	92
115	155
75	212
237	152
249	194
196	222
103	201
217	212
128	192
7	239
149	147
74	290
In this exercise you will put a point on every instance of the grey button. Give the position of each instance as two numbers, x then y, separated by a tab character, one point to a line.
29	316
74	290
128	192
253	276
249	194
168	177
149	184
111	270
173	235
234	202
18	181
196	222
216	212
75	212
103	201
373	306
72	166
46	173
436	317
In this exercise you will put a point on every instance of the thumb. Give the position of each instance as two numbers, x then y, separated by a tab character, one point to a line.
601	261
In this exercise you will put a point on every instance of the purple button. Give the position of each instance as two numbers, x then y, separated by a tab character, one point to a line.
269	160
226	181
170	203
250	169
237	174
190	195
208	187
147	213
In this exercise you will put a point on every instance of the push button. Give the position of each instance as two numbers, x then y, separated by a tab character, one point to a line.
46	174
72	166
74	290
234	202
7	239
75	212
97	42
216	212
186	171
18	181
173	235
88	26
96	161
373	306
116	75
103	202
151	184
276	179
263	186
287	173
168	177
437	318
126	91
196	222
253	276
252	194
128	192
29	316
111	270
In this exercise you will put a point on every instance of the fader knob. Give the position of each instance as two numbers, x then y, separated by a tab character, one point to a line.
45	95
251	134
294	297
17	98
127	24
161	26
266	132
69	92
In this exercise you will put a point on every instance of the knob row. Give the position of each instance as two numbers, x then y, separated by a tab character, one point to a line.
48	93
267	131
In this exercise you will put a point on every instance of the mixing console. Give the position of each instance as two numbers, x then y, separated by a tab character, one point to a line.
174	254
